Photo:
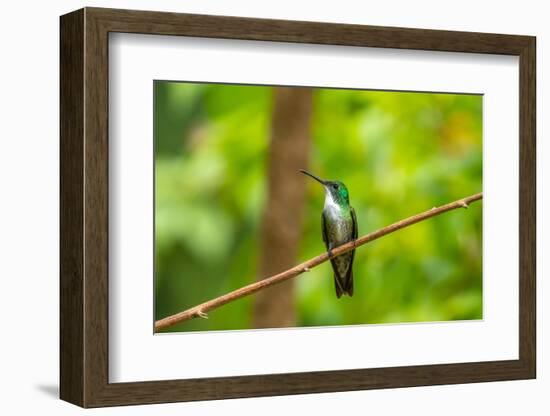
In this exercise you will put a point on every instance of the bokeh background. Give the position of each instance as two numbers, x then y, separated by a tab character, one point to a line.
230	206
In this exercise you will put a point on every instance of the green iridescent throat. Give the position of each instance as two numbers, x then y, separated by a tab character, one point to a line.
339	193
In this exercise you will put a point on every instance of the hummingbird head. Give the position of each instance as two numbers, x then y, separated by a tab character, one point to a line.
335	191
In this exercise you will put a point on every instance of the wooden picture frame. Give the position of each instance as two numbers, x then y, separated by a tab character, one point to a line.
84	207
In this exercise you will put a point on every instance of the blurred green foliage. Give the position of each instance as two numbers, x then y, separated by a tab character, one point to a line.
398	153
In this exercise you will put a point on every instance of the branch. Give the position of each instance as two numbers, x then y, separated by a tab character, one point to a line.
200	310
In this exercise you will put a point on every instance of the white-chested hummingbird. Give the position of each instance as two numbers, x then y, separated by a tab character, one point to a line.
339	226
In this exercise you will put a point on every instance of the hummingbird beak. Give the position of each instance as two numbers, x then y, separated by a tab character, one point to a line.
322	182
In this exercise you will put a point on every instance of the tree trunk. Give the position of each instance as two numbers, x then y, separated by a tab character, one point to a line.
281	223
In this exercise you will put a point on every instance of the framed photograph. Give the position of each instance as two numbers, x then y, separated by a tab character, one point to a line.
254	207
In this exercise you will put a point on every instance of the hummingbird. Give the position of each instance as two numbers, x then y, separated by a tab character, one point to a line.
339	226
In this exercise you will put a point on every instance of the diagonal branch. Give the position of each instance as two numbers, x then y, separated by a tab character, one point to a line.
200	310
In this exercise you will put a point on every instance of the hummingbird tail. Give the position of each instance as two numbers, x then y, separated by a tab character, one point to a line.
349	284
345	287
338	288
343	274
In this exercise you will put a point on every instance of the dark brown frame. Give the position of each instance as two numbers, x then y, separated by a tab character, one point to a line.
84	207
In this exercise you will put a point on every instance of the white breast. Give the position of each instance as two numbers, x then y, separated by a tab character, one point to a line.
331	207
333	213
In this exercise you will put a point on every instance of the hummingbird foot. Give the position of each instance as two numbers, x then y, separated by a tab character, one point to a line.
201	314
330	255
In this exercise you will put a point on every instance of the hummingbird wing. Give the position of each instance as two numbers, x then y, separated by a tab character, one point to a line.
337	282
354	219
349	276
